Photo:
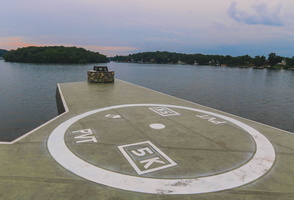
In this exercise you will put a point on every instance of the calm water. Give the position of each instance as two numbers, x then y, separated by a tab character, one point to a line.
28	91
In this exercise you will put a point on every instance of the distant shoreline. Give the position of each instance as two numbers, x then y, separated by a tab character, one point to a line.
275	67
258	62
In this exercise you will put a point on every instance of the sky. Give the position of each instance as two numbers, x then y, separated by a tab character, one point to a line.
122	27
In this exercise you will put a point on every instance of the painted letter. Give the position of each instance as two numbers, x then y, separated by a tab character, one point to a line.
141	151
85	131
86	136
151	161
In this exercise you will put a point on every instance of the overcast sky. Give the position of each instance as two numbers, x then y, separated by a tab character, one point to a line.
121	27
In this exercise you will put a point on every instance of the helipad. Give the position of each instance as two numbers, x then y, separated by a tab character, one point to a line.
121	141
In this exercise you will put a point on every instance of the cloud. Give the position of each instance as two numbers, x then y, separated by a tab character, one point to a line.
10	43
260	13
13	43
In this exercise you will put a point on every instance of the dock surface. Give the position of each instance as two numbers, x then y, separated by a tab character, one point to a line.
122	141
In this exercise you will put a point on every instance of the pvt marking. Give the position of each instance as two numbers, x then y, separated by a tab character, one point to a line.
85	135
259	164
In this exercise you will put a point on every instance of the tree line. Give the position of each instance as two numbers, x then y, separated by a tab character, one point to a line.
2	51
164	57
54	54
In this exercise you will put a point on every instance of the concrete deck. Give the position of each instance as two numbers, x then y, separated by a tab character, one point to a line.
122	141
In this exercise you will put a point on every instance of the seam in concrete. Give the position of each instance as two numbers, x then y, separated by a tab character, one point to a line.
39	127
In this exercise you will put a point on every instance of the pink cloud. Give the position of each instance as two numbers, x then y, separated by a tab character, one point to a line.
18	42
14	43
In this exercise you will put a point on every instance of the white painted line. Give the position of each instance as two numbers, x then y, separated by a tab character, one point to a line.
32	131
41	126
260	163
112	116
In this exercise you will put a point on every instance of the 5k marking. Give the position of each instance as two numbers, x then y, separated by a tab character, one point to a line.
145	157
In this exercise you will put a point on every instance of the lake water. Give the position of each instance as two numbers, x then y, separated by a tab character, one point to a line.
28	90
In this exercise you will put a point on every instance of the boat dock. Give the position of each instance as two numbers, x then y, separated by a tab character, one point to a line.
121	141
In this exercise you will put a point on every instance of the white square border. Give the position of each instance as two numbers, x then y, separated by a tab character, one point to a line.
174	112
172	163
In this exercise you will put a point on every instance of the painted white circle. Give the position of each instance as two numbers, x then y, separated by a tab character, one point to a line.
157	126
260	163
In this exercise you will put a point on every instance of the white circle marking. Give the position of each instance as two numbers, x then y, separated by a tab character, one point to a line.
157	126
259	164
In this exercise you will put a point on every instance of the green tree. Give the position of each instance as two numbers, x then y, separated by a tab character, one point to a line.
201	59
54	54
273	59
2	51
290	61
259	60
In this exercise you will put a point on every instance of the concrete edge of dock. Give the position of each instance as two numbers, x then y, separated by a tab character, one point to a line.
62	108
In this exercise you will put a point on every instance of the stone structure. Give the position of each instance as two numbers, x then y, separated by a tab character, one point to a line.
100	74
